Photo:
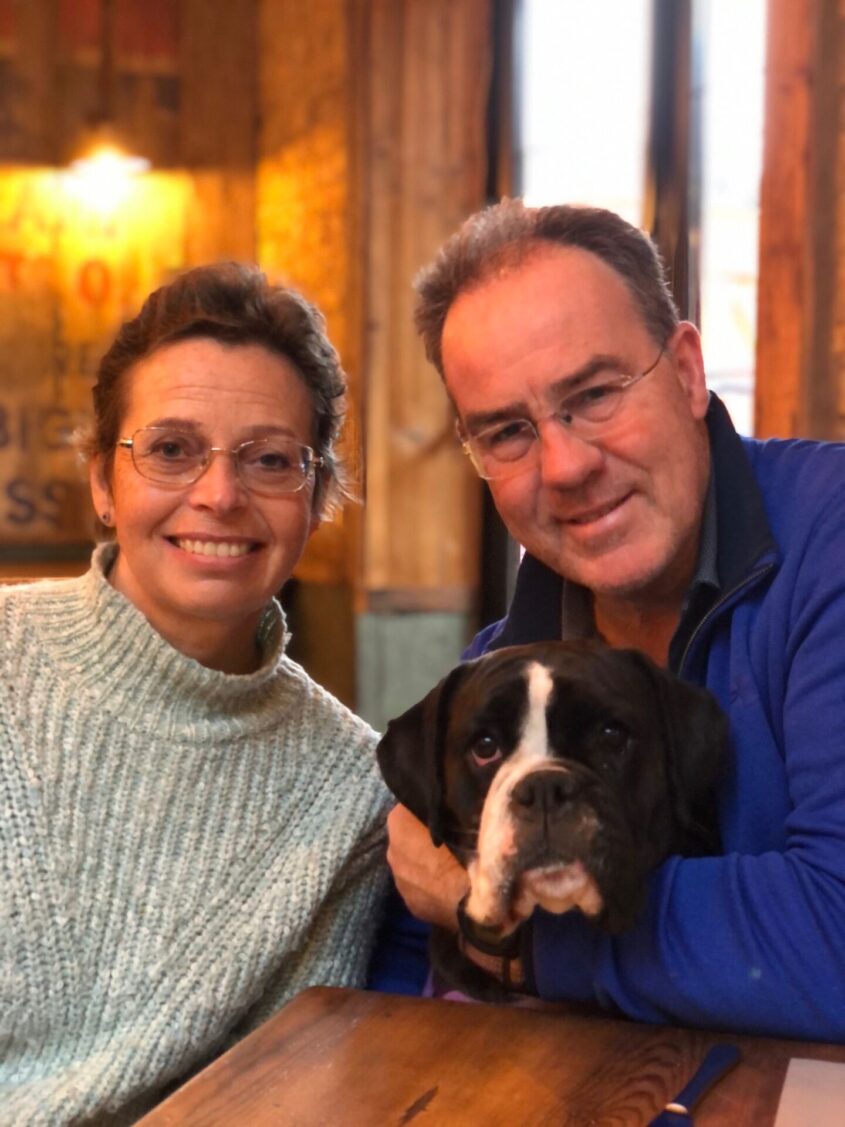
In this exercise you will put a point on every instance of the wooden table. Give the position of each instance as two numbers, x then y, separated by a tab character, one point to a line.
346	1057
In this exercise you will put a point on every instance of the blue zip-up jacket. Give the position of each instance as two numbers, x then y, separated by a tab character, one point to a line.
753	940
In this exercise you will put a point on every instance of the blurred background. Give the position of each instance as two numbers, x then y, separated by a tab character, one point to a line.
337	143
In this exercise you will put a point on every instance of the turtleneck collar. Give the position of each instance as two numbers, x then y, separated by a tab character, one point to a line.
109	650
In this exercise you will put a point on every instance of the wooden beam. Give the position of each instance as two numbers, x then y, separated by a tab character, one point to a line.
428	67
219	124
309	225
32	136
799	387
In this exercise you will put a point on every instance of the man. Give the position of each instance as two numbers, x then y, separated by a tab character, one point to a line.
581	398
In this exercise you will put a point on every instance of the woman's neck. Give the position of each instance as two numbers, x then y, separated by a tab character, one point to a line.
223	645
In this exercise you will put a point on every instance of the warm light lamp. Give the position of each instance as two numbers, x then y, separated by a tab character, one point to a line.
102	170
101	152
101	176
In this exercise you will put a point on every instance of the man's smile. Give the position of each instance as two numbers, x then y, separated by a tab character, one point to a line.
590	516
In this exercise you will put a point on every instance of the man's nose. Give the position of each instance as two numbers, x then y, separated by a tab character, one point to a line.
566	460
219	487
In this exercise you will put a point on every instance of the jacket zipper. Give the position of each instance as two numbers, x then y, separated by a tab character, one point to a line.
718	606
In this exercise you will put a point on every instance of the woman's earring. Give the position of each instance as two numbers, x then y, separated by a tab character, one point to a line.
106	519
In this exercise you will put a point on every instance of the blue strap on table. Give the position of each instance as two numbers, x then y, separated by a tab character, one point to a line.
719	1060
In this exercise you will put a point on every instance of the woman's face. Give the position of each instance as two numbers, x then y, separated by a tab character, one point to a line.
202	561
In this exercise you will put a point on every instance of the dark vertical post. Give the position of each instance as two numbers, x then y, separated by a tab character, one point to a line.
499	553
672	211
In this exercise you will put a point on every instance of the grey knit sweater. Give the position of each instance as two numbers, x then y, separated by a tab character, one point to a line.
181	850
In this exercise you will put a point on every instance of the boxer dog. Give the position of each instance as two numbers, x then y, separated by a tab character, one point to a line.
559	774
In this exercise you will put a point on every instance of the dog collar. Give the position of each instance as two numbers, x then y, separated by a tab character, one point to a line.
499	958
509	972
506	947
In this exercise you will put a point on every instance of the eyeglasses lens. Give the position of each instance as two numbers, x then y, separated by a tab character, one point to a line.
270	465
510	448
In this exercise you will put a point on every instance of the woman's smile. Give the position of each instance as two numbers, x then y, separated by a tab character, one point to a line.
214	548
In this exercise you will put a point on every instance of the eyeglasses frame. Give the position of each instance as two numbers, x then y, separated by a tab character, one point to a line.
316	462
466	441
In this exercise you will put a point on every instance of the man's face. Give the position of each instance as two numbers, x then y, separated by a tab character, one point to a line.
619	513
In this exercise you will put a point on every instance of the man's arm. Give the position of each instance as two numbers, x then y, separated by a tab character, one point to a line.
752	940
428	878
432	884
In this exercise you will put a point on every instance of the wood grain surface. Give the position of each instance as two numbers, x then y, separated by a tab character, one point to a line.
346	1057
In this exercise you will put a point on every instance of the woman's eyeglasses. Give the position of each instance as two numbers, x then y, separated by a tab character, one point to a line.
272	465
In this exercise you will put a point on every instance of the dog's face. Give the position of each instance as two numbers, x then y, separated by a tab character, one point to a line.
559	773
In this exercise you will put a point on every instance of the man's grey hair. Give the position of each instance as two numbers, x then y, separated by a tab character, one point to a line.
508	233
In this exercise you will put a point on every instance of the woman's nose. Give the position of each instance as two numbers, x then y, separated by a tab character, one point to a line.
566	460
219	487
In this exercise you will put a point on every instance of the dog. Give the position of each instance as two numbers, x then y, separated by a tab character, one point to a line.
558	774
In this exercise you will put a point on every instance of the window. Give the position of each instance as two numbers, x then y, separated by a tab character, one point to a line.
584	108
730	214
583	119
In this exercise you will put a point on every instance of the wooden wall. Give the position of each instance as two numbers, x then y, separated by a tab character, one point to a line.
800	376
424	170
183	94
338	143
371	150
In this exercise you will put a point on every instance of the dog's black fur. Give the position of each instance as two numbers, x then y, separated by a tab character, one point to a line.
634	755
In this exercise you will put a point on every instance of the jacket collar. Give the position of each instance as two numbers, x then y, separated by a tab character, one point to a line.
743	533
743	536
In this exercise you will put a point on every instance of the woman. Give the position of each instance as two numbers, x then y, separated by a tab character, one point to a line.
194	829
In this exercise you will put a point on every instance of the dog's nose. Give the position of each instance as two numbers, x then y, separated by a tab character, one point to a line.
544	792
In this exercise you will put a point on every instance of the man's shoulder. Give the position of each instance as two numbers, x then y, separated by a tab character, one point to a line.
797	477
483	640
800	460
799	466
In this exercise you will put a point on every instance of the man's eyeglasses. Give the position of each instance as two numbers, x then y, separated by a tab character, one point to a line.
272	465
510	447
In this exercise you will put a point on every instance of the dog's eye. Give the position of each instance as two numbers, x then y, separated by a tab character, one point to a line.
613	736
485	751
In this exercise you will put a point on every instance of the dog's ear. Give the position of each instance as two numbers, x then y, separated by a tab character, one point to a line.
411	755
695	731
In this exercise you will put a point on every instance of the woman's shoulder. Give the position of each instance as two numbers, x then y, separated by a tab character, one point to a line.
27	602
30	613
24	592
320	705
327	738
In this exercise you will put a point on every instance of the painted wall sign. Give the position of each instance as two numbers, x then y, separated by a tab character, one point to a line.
72	268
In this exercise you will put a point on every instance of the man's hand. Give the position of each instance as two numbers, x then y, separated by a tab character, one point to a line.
429	879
